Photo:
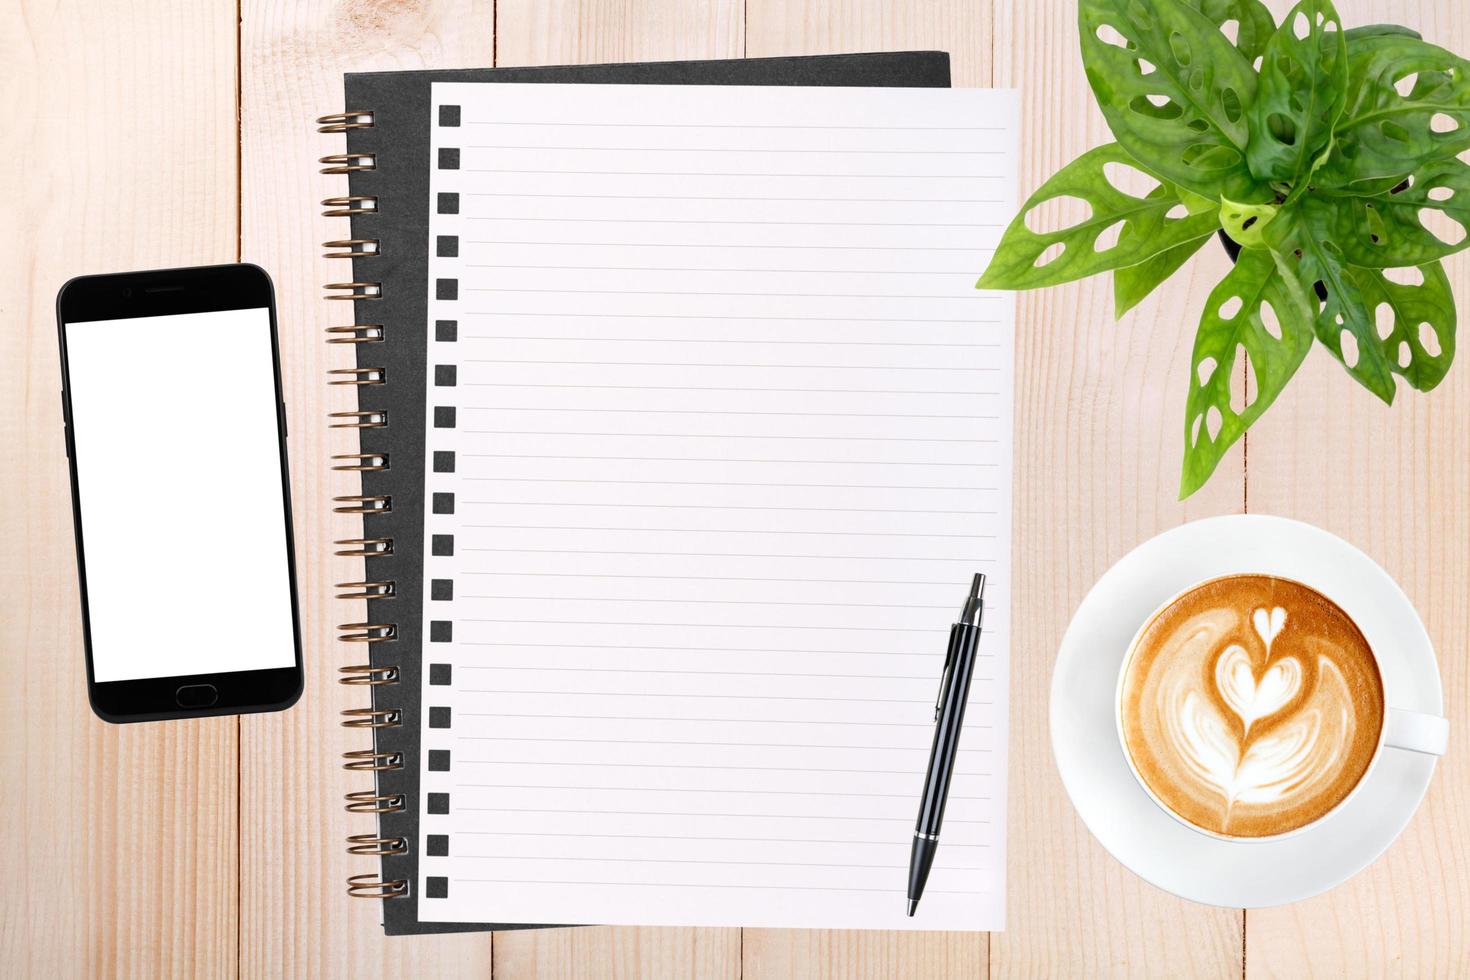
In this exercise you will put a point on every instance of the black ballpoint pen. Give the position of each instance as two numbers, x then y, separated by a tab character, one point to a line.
949	716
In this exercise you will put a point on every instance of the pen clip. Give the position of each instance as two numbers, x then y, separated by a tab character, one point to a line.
944	680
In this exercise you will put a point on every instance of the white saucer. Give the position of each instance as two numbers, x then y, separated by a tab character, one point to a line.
1115	808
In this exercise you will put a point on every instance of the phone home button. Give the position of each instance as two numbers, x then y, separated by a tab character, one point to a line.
196	695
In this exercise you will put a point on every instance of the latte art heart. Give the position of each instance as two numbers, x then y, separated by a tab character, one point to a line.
1252	698
1251	706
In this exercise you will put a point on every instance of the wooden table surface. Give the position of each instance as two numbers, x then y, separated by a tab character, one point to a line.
179	132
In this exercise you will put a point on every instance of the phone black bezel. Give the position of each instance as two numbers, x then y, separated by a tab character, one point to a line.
162	292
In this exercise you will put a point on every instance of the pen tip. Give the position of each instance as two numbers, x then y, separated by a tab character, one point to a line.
913	904
977	585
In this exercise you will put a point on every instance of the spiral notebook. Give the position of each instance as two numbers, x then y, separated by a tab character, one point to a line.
672	474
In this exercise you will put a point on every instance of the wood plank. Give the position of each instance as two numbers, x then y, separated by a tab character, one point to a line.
553	32
791	27
119	154
855	953
296	918
1390	480
963	28
582	32
1100	409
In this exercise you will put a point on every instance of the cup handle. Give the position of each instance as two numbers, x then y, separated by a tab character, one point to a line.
1416	732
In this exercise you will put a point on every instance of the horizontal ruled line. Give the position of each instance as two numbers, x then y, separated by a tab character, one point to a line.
759	864
761	840
722	554
703	222
678	884
692	411
756	507
801	391
972	321
702	697
707	459
744	745
719	435
722	626
699	650
743	199
667	813
719	578
561	362
746	173
716	602
698	125
681	789
660	765
678	245
724	530
699	673
722	483
719	149
702	340
640	717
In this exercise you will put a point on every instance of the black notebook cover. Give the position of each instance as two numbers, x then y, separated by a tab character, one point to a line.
398	141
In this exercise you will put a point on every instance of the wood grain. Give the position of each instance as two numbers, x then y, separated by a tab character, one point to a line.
113	829
127	851
1390	480
296	918
1099	436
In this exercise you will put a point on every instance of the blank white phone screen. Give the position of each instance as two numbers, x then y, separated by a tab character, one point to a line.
179	477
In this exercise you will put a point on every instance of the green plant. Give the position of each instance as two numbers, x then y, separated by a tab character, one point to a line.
1334	158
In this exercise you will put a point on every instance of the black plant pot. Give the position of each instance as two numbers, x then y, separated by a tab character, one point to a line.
1232	249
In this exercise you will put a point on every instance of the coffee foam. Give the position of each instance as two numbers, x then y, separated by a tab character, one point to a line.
1251	706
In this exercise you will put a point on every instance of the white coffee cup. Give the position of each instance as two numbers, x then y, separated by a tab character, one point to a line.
1402	729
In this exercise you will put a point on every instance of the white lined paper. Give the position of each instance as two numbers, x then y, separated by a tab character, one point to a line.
732	431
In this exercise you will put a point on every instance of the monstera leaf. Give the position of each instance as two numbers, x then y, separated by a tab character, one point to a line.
1384	135
1415	323
1309	256
1255	314
1336	159
1174	91
1390	230
1133	283
1253	23
1302	89
1147	227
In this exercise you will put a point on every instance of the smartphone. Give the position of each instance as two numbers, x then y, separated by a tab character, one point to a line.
176	436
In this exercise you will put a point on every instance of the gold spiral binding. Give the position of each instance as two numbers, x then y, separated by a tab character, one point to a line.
355	290
367	632
341	122
368	674
368	590
366	462
363	378
364	547
368	801
359	376
372	718
363	505
356	248
356	333
347	163
366	760
364	420
375	846
347	205
371	886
